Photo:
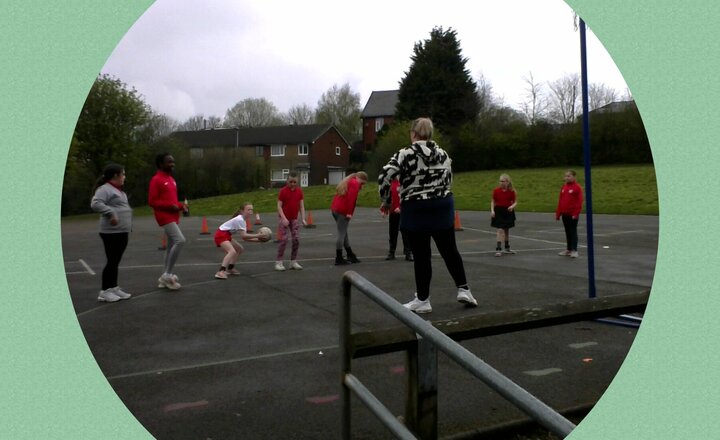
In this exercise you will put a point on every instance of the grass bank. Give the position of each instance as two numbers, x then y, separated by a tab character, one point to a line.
616	189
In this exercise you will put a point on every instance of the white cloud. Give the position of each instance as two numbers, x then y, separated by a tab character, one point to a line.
190	57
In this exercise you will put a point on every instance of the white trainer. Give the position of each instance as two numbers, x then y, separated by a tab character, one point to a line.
574	254
464	296
419	306
221	275
108	295
564	253
120	293
169	281
279	266
294	265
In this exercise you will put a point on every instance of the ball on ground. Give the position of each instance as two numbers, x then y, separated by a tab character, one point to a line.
265	231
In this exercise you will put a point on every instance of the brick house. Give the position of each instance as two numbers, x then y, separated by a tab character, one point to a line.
318	152
379	110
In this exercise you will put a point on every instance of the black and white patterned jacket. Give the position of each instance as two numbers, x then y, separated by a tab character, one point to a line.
424	170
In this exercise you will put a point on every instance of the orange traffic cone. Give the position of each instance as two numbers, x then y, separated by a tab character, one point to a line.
163	243
257	219
309	221
204	227
458	226
277	236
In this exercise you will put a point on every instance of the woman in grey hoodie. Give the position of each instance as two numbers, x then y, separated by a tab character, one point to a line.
427	211
115	225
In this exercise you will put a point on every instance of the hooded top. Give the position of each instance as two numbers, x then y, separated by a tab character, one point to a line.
424	170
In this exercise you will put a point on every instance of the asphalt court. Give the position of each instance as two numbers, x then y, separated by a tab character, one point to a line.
255	356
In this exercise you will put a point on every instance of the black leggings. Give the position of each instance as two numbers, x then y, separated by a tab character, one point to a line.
445	242
571	234
115	245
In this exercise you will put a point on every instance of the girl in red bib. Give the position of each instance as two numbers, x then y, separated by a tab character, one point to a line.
502	212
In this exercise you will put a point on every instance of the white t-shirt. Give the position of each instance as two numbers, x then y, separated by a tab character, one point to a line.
234	225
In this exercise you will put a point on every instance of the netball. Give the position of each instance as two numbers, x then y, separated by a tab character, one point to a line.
267	232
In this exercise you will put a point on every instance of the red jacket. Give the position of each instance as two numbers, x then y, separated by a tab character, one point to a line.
571	200
162	198
345	204
394	196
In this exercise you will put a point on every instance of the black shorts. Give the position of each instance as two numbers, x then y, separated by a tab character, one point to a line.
503	219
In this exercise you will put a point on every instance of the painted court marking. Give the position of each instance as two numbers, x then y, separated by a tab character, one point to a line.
228	361
87	268
545	372
184	405
582	344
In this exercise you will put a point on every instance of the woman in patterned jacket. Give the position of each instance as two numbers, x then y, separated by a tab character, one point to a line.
428	208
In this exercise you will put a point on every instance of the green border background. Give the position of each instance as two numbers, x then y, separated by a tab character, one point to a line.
51	53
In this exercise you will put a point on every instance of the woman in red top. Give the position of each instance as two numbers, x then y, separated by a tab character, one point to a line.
163	199
343	207
290	203
569	207
502	212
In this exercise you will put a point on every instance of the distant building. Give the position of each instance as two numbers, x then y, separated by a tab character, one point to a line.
319	153
616	107
379	110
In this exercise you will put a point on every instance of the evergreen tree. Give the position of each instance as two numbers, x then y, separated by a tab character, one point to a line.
438	85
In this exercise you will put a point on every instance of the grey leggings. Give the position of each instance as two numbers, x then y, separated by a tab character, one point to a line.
342	236
175	243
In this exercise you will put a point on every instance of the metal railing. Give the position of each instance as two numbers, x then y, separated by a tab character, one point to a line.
421	408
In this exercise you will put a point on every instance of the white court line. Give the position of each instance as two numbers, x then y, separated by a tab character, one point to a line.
228	361
520	237
90	271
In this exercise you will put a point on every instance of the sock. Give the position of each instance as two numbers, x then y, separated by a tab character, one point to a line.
507	245
231	266
222	268
464	286
498	246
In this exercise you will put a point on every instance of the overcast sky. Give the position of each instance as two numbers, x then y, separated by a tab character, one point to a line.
201	57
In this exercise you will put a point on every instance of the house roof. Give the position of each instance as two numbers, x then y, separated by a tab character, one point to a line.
284	134
615	107
381	103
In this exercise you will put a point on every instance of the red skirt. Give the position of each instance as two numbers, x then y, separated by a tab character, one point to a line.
221	236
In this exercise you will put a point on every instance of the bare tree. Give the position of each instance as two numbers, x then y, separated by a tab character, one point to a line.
252	112
193	123
300	115
564	98
599	95
340	106
485	94
535	105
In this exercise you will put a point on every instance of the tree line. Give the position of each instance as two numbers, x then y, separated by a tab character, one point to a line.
474	125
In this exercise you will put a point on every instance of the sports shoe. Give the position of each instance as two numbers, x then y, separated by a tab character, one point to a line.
279	266
574	254
169	281
232	271
508	251
498	253
120	293
108	295
464	296
564	253
409	257
221	275
419	306
294	265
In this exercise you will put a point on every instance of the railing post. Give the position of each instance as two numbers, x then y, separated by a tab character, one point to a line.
421	406
346	356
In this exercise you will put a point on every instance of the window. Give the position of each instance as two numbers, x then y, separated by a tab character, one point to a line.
196	153
259	151
379	122
337	151
277	150
279	175
302	149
